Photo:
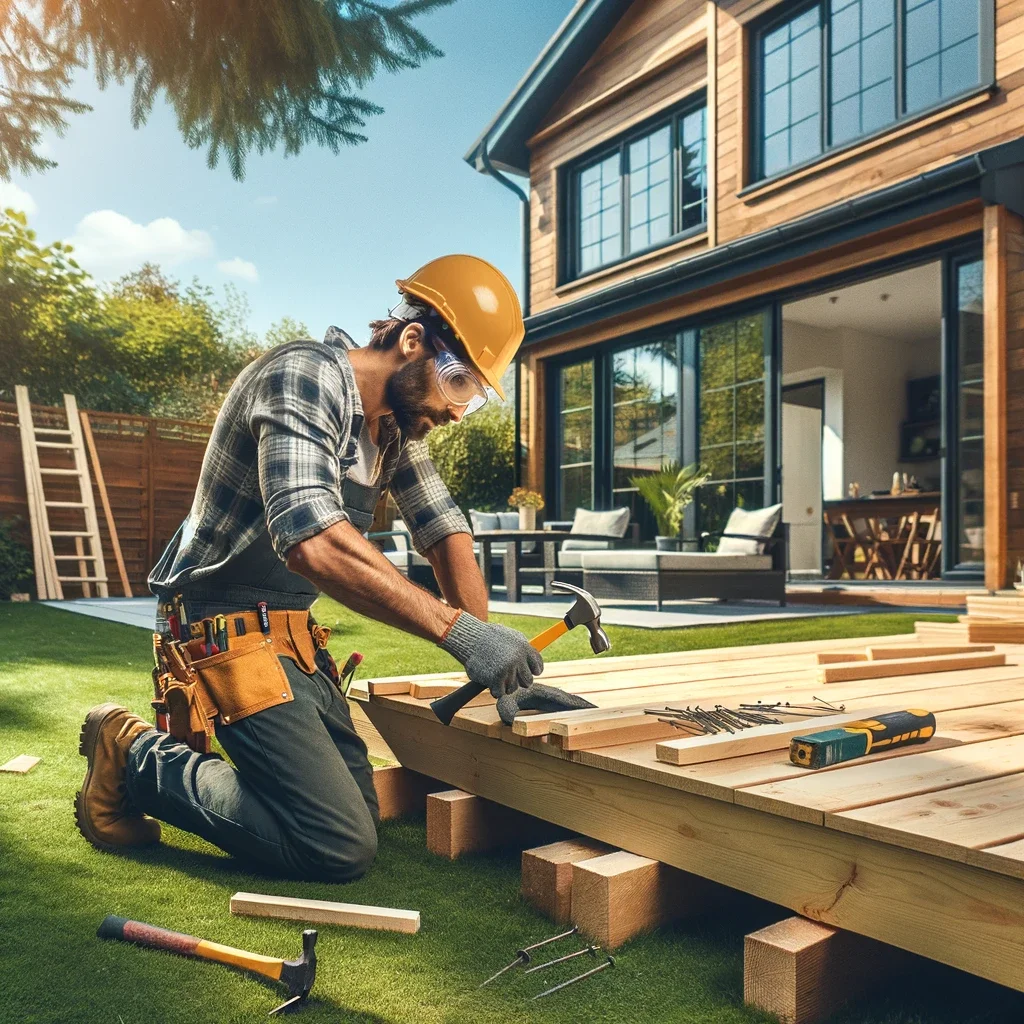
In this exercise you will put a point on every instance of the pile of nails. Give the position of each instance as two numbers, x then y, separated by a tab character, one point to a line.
698	721
524	958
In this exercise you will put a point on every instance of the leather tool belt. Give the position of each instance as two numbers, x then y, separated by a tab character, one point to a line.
194	690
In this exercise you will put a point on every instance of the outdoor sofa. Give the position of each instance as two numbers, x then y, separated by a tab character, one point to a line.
750	563
568	564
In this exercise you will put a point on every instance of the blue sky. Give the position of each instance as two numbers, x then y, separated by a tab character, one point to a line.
317	237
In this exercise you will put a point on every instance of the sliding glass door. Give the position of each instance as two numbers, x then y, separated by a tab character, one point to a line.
575	406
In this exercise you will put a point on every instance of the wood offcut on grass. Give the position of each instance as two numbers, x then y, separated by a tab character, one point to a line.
55	889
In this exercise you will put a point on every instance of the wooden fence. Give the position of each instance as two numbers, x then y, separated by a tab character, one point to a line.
150	467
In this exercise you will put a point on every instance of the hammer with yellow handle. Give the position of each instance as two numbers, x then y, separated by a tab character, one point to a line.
585	612
298	974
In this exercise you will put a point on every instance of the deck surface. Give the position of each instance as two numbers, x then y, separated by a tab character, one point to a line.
922	847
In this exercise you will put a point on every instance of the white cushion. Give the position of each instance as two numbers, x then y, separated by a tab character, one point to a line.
483	520
756	522
611	524
498	521
570	559
646	560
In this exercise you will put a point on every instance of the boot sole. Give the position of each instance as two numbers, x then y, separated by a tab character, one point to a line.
87	748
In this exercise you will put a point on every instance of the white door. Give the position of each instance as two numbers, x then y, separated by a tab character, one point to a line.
801	485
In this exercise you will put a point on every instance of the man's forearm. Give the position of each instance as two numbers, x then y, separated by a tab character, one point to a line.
458	575
343	564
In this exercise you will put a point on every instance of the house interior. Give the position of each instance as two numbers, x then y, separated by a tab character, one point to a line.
861	428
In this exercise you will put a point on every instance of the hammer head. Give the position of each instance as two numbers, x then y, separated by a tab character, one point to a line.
299	974
585	612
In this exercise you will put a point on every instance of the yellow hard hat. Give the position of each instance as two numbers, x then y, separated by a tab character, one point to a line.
476	300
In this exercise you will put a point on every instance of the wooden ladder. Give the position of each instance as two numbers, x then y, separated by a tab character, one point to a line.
68	439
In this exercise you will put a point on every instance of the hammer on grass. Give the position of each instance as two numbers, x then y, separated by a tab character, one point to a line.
298	974
585	612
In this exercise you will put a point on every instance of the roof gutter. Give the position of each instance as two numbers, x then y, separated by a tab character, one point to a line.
524	200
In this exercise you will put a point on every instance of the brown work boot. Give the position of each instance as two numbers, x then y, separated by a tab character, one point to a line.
102	811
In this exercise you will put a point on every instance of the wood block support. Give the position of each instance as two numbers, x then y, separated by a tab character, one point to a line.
547	875
401	791
803	971
619	895
459	823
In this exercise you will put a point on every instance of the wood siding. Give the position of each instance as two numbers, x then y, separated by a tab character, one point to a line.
611	93
660	46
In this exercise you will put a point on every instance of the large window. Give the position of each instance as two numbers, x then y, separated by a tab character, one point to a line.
731	397
575	438
645	399
837	70
644	190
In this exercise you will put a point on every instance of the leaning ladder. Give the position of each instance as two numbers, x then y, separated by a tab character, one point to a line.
48	580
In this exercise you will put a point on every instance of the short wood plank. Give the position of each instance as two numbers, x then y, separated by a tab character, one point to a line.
547	875
947	823
698	749
868	783
351	915
908	667
931	651
840	657
997	632
381	689
21	764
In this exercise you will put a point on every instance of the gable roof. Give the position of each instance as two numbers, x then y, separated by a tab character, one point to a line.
503	141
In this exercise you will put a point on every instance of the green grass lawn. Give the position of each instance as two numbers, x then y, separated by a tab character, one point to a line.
55	889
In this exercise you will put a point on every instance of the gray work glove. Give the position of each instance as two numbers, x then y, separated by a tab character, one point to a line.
495	657
539	697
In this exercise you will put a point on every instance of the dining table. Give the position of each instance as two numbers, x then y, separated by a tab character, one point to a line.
514	568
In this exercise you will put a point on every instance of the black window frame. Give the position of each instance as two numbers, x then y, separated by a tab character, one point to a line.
568	188
777	17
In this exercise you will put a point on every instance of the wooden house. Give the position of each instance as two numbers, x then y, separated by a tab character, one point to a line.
783	238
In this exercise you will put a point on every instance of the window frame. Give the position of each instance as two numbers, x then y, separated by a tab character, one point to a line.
755	98
569	249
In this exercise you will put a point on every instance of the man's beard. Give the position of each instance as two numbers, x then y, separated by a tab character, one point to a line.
406	393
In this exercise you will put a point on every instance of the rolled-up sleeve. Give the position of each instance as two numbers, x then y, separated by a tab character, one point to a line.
301	419
421	496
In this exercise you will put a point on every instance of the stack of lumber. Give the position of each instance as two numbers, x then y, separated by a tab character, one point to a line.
990	619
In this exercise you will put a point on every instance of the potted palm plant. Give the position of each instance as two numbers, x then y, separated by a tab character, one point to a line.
667	494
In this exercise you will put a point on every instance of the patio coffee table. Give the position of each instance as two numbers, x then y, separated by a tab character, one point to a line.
514	568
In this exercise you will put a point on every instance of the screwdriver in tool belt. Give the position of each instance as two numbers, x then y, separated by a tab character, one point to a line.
209	647
221	625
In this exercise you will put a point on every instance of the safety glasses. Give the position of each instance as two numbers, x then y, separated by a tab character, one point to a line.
457	382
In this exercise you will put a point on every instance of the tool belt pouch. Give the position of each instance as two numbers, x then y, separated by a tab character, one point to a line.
244	679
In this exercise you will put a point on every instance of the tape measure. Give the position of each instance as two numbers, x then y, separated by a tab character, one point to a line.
855	739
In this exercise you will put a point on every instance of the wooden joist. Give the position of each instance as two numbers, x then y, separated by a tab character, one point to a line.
401	792
547	875
803	971
908	667
351	915
617	896
459	823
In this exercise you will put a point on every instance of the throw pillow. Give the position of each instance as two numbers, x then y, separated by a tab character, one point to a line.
755	522
612	524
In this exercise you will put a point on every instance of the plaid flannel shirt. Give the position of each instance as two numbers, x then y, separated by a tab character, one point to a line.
277	458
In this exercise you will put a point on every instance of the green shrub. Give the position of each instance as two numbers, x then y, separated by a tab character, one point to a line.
15	559
474	457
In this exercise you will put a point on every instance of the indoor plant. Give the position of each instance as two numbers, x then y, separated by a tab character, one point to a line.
527	502
667	493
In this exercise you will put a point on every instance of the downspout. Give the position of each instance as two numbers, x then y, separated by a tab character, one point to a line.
524	199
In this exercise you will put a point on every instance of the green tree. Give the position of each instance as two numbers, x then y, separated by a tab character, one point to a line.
280	332
240	76
474	457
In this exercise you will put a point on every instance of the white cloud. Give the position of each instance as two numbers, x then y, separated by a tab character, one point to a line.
17	198
109	244
265	201
237	267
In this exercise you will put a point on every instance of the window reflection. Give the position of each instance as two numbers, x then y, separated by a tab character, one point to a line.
970	426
